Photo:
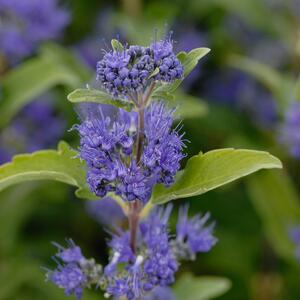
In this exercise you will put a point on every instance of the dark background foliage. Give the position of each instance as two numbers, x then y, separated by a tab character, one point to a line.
240	109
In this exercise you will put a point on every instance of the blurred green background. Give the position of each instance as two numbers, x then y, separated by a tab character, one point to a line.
238	96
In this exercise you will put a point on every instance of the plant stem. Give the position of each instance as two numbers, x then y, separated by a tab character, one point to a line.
134	217
135	206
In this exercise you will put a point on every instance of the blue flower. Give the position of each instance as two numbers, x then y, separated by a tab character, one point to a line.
166	61
74	272
128	71
160	293
121	251
161	263
24	25
72	254
193	234
70	278
108	148
153	264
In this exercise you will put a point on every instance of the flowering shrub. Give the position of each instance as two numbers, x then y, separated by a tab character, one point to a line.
127	155
131	154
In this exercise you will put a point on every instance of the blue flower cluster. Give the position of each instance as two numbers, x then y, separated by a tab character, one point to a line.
290	130
24	24
129	71
75	272
107	147
145	272
127	153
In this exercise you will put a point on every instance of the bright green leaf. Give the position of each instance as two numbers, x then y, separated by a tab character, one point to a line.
208	171
191	59
96	96
116	45
155	72
278	205
60	165
162	93
189	287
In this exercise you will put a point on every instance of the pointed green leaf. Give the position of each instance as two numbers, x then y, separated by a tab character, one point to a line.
191	59
60	165
189	287
96	96
116	45
156	71
208	171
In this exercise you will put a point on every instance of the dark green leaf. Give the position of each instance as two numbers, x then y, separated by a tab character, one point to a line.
208	171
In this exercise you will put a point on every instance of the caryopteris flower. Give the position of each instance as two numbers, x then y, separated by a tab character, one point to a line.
25	24
74	271
109	148
128	71
192	234
126	155
290	130
140	272
160	293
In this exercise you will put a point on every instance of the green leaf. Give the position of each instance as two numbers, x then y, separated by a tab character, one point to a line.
189	62
277	203
96	96
189	287
155	72
60	165
208	171
116	45
162	93
191	59
21	85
